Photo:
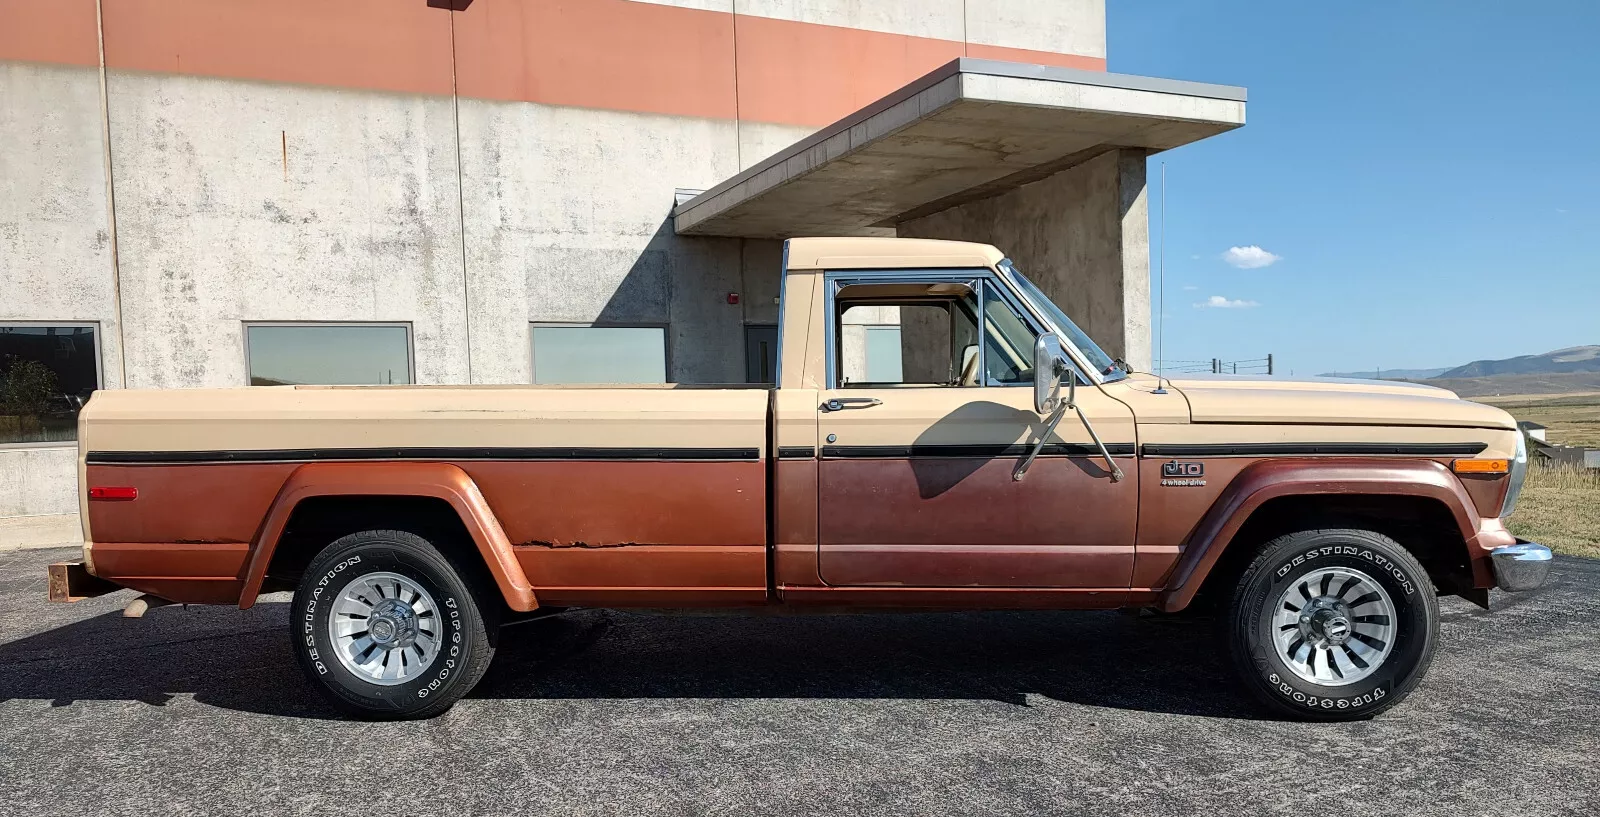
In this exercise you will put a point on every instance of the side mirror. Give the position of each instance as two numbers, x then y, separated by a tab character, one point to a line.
1050	364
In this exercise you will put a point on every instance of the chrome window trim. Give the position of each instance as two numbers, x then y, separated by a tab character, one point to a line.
979	278
783	309
1079	359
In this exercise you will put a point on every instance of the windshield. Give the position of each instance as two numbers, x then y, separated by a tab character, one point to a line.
1102	362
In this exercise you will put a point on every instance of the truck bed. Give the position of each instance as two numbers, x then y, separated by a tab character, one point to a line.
607	495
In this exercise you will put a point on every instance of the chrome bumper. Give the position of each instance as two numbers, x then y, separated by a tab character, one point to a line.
1522	566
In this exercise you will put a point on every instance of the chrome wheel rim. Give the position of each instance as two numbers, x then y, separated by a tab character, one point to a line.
1334	626
385	628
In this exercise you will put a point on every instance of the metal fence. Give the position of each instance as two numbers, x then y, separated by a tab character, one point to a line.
1262	365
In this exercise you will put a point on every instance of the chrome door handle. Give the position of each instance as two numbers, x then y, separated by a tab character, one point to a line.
842	403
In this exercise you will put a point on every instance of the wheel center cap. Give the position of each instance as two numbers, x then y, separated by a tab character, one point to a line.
1335	628
392	624
382	630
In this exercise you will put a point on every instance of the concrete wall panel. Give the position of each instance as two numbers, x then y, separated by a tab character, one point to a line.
760	290
38	481
1065	26
243	201
760	140
55	239
568	221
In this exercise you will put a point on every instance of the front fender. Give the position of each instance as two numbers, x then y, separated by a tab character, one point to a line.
1271	479
438	480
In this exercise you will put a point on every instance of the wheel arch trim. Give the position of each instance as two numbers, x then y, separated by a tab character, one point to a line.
437	480
1271	479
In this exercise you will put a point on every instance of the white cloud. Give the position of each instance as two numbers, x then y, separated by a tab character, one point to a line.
1190	288
1251	257
1219	302
1194	258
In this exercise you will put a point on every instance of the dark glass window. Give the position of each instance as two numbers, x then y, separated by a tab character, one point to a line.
46	375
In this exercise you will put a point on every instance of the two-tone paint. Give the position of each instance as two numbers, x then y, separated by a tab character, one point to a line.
694	497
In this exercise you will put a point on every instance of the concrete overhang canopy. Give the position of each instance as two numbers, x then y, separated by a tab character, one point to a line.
969	130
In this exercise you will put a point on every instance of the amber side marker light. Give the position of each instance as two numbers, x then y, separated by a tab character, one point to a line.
1481	466
114	493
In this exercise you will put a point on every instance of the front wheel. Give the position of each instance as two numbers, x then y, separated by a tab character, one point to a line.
1333	624
387	628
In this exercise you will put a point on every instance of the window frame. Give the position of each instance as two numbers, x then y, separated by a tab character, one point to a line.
982	279
666	345
99	372
411	342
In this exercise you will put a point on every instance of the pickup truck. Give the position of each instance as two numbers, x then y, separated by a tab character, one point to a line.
998	459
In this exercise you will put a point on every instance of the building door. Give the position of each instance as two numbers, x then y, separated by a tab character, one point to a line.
915	482
760	353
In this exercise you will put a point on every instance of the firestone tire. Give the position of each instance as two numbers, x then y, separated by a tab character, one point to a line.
387	629
1332	625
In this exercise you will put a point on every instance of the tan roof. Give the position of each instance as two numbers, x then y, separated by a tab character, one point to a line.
881	253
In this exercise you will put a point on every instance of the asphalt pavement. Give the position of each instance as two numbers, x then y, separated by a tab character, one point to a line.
203	710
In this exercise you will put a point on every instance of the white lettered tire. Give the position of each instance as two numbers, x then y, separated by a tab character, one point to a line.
1332	625
387	628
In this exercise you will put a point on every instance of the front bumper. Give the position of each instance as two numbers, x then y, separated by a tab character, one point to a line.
1522	566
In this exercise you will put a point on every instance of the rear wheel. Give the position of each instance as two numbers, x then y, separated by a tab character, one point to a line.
1333	624
387	628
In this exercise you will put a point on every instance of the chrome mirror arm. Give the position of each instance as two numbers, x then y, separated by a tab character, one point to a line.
1049	428
1116	472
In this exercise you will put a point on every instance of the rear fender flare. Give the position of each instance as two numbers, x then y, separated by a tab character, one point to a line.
1270	479
438	480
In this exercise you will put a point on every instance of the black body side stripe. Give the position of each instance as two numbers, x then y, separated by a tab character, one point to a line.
1285	449
796	452
336	454
957	451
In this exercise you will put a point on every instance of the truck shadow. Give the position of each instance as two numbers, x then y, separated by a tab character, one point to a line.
242	660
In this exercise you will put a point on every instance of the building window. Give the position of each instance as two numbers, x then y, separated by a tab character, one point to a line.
884	364
323	354
47	372
599	354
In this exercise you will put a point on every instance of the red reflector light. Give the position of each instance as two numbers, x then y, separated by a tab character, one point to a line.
114	493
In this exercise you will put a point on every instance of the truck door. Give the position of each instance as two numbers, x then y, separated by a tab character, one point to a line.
926	411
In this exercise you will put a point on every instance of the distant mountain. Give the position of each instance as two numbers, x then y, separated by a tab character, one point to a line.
1391	374
1561	361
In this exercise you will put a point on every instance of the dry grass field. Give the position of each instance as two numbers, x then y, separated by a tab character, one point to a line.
1574	419
1560	508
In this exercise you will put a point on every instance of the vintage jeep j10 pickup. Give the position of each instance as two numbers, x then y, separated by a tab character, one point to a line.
1007	463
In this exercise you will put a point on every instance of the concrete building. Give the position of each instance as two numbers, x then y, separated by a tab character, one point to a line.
508	191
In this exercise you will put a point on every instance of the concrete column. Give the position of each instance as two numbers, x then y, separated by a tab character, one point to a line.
1082	235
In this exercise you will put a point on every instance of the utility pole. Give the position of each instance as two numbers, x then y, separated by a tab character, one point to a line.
1269	364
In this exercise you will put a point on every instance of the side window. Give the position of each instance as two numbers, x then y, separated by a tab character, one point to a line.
930	341
1008	343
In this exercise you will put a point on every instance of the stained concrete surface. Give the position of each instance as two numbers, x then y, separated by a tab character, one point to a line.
203	711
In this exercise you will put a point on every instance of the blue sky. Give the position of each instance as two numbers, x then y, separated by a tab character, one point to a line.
1427	173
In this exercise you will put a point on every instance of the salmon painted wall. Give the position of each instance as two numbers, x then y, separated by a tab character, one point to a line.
798	64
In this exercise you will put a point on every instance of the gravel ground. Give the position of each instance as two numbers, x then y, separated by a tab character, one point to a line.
203	711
